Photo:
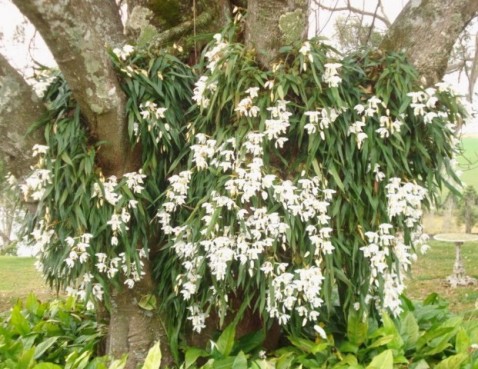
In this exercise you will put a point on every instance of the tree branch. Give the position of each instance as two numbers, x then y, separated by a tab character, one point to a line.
77	34
19	108
473	71
176	32
426	31
383	18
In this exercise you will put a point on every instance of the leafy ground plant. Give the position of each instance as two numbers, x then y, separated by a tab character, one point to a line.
426	335
57	334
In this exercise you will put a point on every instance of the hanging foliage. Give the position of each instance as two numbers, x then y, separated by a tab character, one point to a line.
298	189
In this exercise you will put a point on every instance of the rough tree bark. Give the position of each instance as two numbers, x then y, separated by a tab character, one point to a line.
426	31
77	33
19	108
273	23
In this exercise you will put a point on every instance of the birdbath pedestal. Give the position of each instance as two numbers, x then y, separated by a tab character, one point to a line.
459	277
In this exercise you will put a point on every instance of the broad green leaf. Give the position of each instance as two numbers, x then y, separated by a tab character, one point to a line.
43	346
18	321
192	354
357	328
153	359
452	362
119	363
409	330
250	341
147	302
226	340
240	362
463	341
285	361
382	361
26	360
306	345
225	363
422	364
47	366
348	346
384	340
263	364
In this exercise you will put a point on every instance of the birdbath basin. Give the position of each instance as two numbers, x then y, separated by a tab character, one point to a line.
459	277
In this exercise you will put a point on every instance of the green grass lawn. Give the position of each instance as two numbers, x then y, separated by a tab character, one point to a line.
430	271
468	162
18	277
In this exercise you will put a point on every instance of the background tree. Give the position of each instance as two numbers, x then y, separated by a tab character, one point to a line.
77	36
467	210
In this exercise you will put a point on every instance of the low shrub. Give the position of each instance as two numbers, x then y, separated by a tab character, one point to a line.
56	334
61	334
426	335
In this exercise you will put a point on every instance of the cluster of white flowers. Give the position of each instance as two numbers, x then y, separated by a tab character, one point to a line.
150	110
78	249
276	126
34	186
305	50
179	186
381	245
372	107
197	318
201	89
379	175
388	124
405	199
39	150
124	52
246	106
320	120
203	150
110	266
106	190
216	52
154	117
331	74
424	104
42	235
135	181
389	256
297	292
256	230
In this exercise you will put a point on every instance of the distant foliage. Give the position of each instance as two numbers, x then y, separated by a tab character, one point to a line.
468	208
297	190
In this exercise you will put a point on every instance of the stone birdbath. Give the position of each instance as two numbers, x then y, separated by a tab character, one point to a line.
459	277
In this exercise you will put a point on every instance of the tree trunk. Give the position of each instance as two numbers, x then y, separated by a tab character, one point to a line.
426	31
134	330
19	108
77	34
274	23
